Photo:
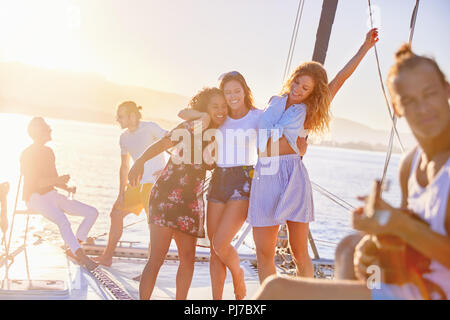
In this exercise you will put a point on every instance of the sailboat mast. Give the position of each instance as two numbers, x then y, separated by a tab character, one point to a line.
324	30
319	55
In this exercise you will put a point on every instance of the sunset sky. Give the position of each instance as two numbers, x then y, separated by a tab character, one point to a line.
180	46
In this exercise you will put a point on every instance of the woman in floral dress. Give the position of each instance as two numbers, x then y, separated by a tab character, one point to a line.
177	199
176	206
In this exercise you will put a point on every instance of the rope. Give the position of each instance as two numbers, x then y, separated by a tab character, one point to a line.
341	202
126	226
388	155
392	116
293	39
412	25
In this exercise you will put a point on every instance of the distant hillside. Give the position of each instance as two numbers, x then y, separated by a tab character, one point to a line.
350	134
77	96
89	97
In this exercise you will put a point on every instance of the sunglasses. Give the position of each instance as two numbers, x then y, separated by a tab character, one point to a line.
229	74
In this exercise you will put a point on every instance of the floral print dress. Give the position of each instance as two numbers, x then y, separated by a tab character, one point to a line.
176	200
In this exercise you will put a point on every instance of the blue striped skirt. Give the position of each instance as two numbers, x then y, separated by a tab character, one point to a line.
281	191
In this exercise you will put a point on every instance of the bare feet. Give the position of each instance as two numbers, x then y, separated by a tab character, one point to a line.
137	278
70	254
104	261
87	262
82	259
89	240
240	290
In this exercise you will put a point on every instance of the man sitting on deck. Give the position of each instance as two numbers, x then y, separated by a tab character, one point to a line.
37	164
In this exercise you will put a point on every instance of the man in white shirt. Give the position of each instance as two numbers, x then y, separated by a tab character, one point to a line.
133	142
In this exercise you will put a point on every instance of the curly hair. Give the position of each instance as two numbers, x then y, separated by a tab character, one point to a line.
234	75
200	101
406	59
318	102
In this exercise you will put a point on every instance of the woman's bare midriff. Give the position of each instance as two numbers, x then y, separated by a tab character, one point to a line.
281	147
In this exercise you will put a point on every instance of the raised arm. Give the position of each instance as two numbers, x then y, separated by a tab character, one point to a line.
190	114
350	67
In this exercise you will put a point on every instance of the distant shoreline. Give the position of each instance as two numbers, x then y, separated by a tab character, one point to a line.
359	146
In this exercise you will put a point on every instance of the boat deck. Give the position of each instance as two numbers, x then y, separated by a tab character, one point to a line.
43	271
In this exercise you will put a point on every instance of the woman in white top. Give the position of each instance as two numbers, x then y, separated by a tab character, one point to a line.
415	238
229	191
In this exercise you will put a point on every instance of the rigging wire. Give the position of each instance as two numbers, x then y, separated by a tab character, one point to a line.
344	204
412	24
391	115
298	18
126	226
388	154
291	42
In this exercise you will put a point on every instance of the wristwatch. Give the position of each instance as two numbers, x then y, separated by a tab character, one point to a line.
382	217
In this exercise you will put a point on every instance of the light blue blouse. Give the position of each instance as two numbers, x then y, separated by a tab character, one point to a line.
276	122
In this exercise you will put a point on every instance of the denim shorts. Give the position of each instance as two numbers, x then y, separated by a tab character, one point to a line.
231	183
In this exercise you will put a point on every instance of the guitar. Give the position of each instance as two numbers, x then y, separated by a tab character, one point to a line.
399	262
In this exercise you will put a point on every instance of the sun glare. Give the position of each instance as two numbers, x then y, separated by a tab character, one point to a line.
13	140
42	33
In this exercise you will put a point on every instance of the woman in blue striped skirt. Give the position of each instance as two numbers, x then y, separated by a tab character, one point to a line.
281	190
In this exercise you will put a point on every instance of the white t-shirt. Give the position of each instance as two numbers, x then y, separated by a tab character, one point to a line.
236	140
136	143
